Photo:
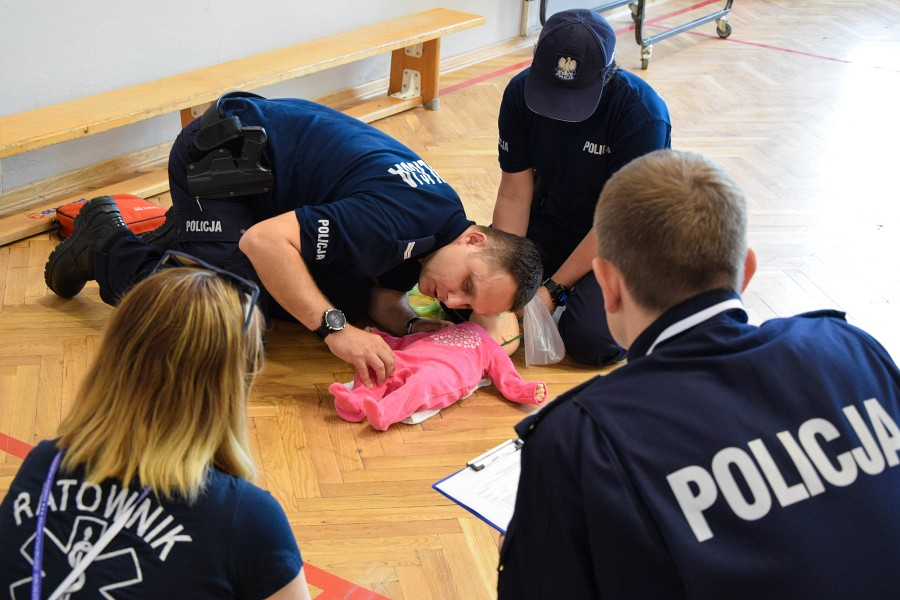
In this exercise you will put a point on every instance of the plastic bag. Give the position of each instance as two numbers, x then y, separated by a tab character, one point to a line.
543	344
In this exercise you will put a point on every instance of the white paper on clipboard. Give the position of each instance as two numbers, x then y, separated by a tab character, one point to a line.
487	486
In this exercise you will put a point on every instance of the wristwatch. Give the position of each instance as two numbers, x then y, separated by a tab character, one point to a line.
332	320
559	293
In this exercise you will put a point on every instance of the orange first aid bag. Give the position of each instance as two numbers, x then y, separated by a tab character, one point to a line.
140	215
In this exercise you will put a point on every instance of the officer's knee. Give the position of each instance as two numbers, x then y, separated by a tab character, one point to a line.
597	358
593	348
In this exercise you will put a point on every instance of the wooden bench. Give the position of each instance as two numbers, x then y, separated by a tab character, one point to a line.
413	41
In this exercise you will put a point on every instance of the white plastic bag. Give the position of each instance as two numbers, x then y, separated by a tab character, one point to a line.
543	344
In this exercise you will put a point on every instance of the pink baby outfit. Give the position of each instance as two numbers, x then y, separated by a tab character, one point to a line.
432	370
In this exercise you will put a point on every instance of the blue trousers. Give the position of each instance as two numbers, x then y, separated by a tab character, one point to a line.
126	259
583	326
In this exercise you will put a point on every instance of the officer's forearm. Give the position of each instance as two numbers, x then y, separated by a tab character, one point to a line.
579	262
513	208
390	310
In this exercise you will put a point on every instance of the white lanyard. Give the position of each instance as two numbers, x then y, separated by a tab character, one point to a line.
695	319
87	559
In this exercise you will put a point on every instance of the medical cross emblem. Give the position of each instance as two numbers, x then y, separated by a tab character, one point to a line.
110	570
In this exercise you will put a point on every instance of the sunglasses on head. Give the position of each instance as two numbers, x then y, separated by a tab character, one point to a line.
249	290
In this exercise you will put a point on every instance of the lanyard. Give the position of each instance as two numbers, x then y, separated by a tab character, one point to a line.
695	319
38	558
38	554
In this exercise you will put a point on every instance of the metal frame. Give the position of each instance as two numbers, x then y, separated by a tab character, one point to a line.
639	14
601	8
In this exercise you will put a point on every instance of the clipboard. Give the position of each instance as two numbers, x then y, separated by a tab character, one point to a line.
487	486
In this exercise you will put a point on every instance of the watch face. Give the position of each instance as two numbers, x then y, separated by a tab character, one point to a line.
335	319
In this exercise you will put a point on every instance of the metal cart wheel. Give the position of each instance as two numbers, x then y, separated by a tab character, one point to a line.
646	51
723	28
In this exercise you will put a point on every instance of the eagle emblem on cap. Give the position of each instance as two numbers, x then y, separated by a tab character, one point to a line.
566	68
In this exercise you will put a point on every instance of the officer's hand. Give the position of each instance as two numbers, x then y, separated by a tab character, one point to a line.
423	325
544	294
364	351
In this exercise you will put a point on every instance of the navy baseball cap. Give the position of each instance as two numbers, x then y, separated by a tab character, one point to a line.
574	53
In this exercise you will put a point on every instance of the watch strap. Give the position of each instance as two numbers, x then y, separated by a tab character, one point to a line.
559	293
410	323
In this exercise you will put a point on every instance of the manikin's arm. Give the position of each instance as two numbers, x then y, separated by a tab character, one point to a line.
500	368
502	372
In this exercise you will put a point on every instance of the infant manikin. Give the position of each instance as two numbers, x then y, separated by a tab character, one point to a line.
434	369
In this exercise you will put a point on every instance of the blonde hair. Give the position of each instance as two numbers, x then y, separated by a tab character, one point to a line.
675	225
166	396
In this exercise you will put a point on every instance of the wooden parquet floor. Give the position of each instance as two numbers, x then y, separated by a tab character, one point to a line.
799	104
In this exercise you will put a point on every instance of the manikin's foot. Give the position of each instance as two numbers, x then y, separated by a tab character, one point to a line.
375	413
71	264
345	404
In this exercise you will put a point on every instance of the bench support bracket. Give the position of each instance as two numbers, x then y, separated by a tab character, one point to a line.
423	58
411	86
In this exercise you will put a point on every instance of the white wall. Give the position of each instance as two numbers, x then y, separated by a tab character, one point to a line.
56	51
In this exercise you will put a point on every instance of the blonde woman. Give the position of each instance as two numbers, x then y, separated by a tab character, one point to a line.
145	492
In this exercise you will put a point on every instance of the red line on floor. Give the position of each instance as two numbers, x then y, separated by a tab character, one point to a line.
525	63
332	586
335	588
13	446
770	47
654	22
674	13
485	77
800	52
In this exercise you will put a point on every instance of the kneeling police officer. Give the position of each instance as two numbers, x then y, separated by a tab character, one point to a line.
335	219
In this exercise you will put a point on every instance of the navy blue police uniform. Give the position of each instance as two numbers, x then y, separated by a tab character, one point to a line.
572	162
723	461
367	205
233	542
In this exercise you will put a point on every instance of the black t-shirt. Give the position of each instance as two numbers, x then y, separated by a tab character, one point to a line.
574	160
235	542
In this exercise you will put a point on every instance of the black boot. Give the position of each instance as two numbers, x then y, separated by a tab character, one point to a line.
163	237
71	264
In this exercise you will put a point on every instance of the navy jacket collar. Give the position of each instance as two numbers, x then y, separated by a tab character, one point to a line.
681	311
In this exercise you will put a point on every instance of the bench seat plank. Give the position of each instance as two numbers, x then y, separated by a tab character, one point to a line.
65	121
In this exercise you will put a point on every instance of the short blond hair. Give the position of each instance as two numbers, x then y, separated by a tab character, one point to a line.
675	225
166	397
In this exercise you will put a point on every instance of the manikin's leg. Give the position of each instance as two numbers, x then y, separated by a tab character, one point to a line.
419	391
349	403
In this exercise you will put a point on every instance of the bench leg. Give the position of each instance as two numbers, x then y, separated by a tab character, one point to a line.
423	58
189	114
